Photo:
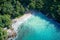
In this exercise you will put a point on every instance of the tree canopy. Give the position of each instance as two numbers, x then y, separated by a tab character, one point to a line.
10	9
3	34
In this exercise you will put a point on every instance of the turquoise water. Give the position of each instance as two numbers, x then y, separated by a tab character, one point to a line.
39	27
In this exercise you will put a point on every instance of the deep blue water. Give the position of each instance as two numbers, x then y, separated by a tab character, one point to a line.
39	27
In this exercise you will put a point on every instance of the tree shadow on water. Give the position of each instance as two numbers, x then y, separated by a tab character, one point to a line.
42	16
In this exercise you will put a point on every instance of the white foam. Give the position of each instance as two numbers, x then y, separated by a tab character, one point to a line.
19	21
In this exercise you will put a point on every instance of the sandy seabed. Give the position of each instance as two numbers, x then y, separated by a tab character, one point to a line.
18	21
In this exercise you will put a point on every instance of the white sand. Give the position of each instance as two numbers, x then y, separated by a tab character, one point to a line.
18	21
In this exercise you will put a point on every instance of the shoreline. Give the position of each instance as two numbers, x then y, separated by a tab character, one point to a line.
16	24
18	21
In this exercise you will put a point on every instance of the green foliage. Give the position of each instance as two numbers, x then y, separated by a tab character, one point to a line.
32	5
10	9
15	8
5	21
51	8
39	4
25	3
3	34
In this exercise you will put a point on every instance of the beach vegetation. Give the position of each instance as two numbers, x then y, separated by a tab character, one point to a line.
10	9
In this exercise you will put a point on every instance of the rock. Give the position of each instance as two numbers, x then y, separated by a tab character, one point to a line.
11	33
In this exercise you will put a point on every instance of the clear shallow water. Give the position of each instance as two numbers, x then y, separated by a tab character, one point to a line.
39	27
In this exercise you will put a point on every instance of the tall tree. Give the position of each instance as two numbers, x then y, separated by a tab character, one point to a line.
3	34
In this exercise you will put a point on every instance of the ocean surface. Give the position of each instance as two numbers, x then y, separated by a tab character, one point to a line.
39	27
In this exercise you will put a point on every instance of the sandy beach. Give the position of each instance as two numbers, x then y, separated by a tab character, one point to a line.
16	24
18	21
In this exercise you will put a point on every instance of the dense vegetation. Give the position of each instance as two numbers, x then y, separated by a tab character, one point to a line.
3	34
10	9
50	8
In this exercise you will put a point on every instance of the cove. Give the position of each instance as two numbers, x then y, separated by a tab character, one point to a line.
39	27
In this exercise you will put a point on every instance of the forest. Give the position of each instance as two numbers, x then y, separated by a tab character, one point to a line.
10	9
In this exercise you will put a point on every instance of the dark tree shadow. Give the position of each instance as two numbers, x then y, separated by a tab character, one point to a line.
42	16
